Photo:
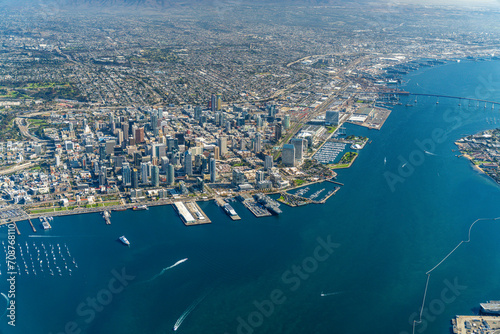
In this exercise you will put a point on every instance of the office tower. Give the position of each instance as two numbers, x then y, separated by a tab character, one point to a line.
164	163
126	174
155	176
188	163
286	122
298	144
288	155
216	152
222	144
259	176
135	178
213	171
277	132
139	135
110	146
259	121
219	102
144	172
102	151
258	143
213	103
238	177
154	124
197	113
102	176
170	174
332	117
268	162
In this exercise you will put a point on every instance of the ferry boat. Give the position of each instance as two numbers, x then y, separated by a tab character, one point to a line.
140	207
124	240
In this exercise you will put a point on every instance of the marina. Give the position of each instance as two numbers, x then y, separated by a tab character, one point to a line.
329	152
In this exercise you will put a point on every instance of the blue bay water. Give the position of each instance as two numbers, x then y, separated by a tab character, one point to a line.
387	239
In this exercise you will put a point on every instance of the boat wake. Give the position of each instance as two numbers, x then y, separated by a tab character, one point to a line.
430	153
331	293
190	309
165	269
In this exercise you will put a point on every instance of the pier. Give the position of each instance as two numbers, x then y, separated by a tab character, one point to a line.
32	226
257	210
17	230
330	194
191	213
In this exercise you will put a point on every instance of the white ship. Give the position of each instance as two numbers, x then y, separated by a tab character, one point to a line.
124	240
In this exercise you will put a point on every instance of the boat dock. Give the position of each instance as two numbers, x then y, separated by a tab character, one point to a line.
256	209
32	226
330	194
191	213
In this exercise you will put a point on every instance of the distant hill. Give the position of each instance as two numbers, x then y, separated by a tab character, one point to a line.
154	3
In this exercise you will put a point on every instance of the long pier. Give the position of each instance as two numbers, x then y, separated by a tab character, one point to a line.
33	227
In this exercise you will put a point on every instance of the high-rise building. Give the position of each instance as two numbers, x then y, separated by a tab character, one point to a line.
139	135
102	151
213	171
259	176
222	144
144	172
332	117
135	178
271	110
298	144
164	163
213	103
155	176
126	174
238	177
154	124
170	174
288	155
259	121
188	163
110	146
277	132
219	102
216	152
286	122
102	176
268	162
258	143
197	113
